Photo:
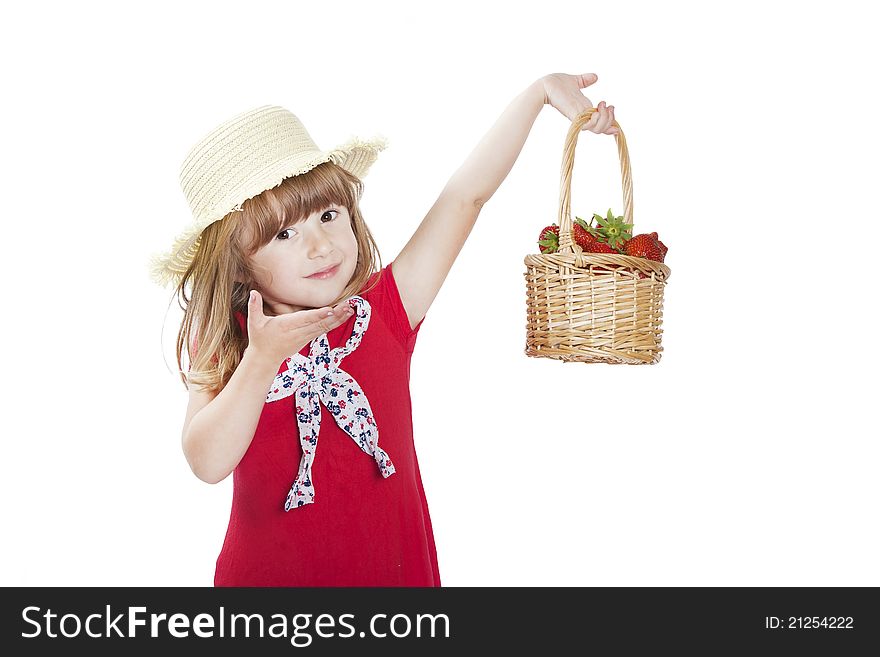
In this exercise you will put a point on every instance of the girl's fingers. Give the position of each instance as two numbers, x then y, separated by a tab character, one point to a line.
324	316
589	125
301	319
604	119
340	309
311	316
335	316
345	311
316	319
606	115
255	306
597	121
329	322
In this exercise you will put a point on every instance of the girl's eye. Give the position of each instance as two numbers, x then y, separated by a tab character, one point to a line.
285	234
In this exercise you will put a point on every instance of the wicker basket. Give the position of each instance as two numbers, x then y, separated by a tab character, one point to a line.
593	307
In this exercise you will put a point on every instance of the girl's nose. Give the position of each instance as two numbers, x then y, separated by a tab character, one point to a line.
318	243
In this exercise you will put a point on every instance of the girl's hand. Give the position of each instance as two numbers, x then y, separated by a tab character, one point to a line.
563	91
278	337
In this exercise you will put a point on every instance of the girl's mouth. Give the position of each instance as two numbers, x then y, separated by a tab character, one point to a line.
326	274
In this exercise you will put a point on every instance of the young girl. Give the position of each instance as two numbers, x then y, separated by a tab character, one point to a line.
294	332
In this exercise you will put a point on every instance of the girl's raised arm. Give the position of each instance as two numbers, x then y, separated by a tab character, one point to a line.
423	264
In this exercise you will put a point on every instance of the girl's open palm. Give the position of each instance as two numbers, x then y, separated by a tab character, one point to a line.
563	91
283	335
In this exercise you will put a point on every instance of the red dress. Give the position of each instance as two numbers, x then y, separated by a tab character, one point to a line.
362	529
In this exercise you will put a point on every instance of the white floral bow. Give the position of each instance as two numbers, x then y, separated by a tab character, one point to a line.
319	377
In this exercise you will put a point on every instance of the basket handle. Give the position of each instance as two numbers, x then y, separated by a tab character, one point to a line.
566	243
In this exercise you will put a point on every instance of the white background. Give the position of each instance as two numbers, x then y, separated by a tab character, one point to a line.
747	456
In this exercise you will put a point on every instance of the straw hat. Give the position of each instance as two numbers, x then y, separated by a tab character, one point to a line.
248	154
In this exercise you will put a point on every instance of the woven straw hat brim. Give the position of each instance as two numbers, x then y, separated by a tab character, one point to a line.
355	156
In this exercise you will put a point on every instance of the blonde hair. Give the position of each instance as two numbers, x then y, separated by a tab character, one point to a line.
221	277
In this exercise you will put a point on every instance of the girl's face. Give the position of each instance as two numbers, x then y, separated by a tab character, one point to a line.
285	266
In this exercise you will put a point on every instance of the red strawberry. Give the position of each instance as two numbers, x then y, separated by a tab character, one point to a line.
662	246
663	250
548	240
599	247
644	246
580	233
588	226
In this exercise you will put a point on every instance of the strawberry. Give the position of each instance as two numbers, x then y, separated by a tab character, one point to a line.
581	233
663	250
662	246
589	227
613	230
600	247
548	240
644	246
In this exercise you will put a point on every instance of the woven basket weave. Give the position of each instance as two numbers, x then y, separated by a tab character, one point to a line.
593	307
